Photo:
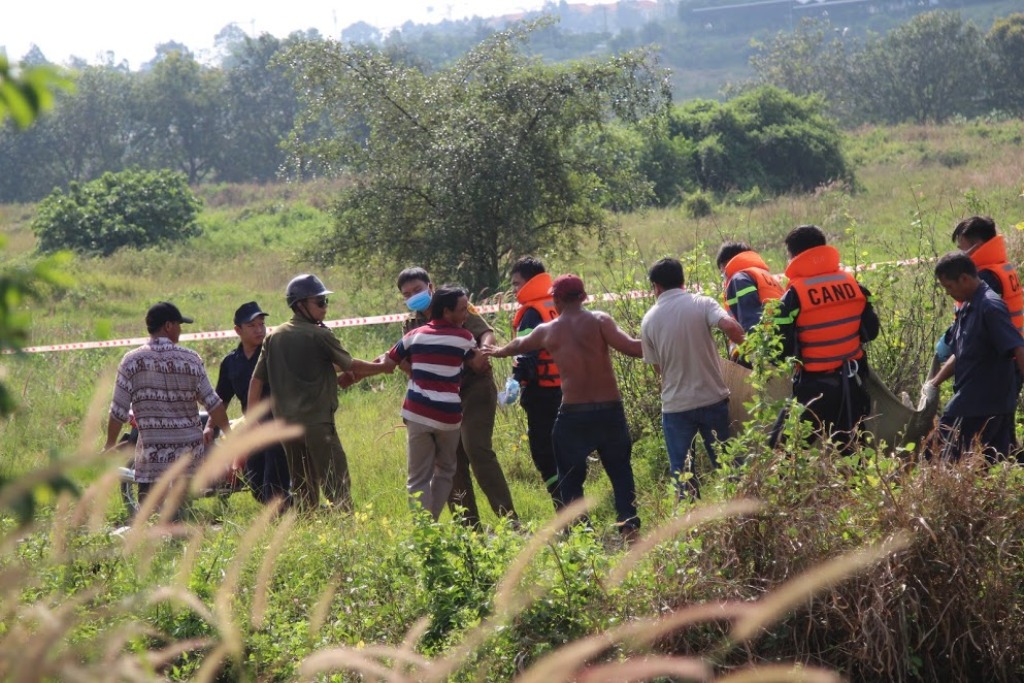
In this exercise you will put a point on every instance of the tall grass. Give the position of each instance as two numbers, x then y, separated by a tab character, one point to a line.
927	586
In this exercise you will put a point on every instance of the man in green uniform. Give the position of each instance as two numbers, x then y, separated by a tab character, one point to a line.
301	360
479	403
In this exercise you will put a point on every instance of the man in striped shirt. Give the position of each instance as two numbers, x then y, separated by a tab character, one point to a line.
432	410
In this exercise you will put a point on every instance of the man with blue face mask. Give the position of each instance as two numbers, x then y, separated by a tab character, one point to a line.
479	402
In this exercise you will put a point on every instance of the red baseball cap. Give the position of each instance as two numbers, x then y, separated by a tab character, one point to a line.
567	287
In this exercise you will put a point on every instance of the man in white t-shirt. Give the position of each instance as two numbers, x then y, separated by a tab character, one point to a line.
678	342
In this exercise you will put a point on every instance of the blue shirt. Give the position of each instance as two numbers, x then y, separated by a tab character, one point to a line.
746	308
985	379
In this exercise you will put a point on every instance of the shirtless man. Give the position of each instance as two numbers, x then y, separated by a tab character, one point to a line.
591	417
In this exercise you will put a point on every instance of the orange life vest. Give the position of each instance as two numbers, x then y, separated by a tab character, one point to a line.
831	304
535	294
991	256
751	263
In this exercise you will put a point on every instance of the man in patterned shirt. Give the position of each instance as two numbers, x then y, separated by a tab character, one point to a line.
162	383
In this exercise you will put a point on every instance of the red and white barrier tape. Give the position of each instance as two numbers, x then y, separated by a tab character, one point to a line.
376	319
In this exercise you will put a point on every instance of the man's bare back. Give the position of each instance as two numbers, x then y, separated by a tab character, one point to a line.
578	340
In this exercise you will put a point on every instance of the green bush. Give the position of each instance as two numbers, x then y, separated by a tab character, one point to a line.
766	138
131	208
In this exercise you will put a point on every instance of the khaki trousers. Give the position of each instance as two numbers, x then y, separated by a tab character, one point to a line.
431	458
316	459
479	402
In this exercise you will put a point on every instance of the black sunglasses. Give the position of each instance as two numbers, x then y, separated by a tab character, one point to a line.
321	301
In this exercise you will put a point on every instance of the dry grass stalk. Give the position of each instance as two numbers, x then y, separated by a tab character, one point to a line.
799	589
237	446
188	559
561	664
95	415
407	649
141	521
507	598
59	528
211	664
266	572
318	615
92	505
781	673
32	648
647	668
348	659
184	597
675	526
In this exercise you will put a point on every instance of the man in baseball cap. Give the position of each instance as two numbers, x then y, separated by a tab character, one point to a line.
161	313
568	288
591	417
266	471
162	384
248	312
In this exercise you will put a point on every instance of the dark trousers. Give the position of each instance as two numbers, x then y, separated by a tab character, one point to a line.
584	428
993	434
479	402
541	407
835	404
266	473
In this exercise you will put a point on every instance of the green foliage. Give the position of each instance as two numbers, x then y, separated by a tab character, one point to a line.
131	208
179	115
1006	73
925	70
463	169
928	69
766	138
27	93
699	204
459	570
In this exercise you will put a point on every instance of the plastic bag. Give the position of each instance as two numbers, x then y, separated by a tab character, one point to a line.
510	394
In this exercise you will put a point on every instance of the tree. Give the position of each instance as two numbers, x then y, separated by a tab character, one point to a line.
1006	75
132	208
813	59
90	130
180	115
361	33
260	105
925	70
464	168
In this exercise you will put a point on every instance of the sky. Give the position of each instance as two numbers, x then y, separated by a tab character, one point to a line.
131	29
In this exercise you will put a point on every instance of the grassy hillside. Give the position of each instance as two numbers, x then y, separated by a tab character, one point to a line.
251	598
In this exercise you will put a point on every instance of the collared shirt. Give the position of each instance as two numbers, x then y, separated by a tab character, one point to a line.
235	372
298	361
676	336
477	327
162	383
985	380
436	353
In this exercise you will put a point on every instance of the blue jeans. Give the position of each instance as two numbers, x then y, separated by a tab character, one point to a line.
680	430
581	429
